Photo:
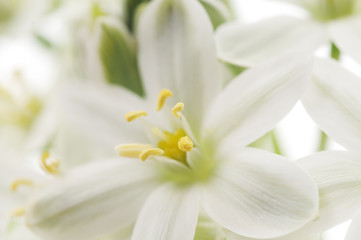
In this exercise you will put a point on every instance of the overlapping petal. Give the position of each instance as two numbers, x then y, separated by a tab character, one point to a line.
334	103
354	230
170	213
247	45
337	175
92	201
177	51
346	33
253	103
261	195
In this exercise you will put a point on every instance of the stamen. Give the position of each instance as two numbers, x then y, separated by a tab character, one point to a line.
51	165
131	150
131	116
159	133
162	97
18	212
14	186
150	152
185	144
177	108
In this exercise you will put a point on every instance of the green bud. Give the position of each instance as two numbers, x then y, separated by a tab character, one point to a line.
118	55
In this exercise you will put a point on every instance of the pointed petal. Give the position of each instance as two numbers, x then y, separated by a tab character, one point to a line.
334	103
346	34
337	175
253	103
261	195
177	51
247	45
93	200
354	230
170	213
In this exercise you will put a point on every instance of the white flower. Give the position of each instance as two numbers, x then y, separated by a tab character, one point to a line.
195	159
338	21
333	101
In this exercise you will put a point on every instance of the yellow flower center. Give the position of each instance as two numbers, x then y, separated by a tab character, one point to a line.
170	145
18	113
174	145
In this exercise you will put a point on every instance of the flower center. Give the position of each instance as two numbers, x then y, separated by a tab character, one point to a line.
172	144
326	10
18	112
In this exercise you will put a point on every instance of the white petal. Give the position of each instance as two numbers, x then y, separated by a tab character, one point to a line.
261	195
170	213
247	45
334	102
354	231
97	112
177	51
92	201
253	103
346	33
338	177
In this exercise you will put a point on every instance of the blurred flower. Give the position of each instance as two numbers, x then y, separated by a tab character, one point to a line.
103	43
20	16
335	21
194	156
27	116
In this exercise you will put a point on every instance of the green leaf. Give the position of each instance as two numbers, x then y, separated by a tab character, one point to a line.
130	12
217	12
118	55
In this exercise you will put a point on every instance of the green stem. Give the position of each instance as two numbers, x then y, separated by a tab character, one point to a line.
335	52
275	143
323	142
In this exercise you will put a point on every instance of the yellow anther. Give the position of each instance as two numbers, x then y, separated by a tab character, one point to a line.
162	97
51	165
177	108
185	144
18	212
131	150
131	116
150	152
14	186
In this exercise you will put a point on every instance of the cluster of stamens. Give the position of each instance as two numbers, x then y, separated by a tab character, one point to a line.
172	145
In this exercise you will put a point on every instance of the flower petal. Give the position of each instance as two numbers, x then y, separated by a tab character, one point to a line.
354	230
170	213
334	102
177	51
346	33
247	45
93	200
253	103
97	111
261	195
338	177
